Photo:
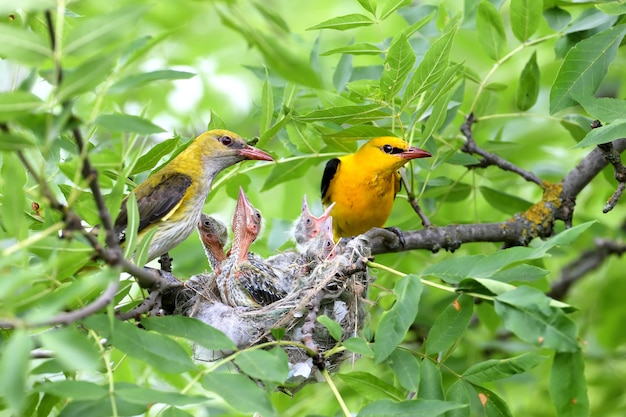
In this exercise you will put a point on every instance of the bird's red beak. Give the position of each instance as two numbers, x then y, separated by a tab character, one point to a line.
243	206
250	152
414	153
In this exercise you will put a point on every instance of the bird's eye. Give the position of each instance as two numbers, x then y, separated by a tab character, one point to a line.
206	223
387	148
308	221
226	140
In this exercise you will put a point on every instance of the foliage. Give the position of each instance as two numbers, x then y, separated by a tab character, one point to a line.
456	334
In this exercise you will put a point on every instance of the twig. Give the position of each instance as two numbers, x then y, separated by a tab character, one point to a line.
66	318
414	203
471	147
145	306
587	262
166	262
619	169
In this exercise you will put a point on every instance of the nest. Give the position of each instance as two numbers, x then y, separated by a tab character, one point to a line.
336	288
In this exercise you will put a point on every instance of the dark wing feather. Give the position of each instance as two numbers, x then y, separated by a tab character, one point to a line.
397	184
154	202
329	173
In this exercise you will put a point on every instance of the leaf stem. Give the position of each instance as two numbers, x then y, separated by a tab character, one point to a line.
333	388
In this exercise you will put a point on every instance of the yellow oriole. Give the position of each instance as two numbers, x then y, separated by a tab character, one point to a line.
172	198
364	184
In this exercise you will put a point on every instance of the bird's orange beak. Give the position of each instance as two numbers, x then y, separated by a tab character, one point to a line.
250	152
414	153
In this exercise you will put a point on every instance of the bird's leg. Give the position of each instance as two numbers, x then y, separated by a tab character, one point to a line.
166	262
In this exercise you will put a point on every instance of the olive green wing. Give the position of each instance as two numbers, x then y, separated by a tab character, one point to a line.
155	200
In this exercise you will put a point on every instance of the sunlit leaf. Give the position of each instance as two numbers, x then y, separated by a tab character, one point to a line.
355	49
20	45
139	80
527	312
191	329
584	68
406	368
239	392
333	327
265	365
490	29
370	386
494	369
14	364
344	22
525	18
73	349
128	123
399	62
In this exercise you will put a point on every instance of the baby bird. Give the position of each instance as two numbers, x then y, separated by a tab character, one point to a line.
213	235
308	226
246	279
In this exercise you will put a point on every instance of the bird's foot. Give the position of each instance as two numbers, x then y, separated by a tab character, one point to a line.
166	262
391	236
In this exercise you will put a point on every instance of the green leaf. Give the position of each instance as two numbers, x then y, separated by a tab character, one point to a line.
16	103
360	132
333	327
520	273
93	34
174	412
525	18
139	80
158	351
73	349
134	394
584	68
13	142
529	83
568	387
412	408
345	114
399	61
557	18
490	30
494	369
22	46
431	385
370	386
458	393
26	6
14	365
191	329
605	109
267	100
79	390
359	345
395	322
151	158
127	123
391	6
355	49
265	365
494	405
13	196
450	325
240	393
285	172
504	202
432	68
613	8
406	368
132	225
86	77
527	312
141	254
604	134
590	19
345	22
369	5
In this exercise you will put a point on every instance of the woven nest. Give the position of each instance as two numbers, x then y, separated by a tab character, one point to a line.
336	288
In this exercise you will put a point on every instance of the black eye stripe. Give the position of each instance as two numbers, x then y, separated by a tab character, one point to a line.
391	149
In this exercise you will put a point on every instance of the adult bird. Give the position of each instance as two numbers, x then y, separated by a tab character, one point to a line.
363	185
213	235
246	279
307	226
171	199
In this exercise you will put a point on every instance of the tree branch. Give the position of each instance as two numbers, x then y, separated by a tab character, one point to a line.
470	147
